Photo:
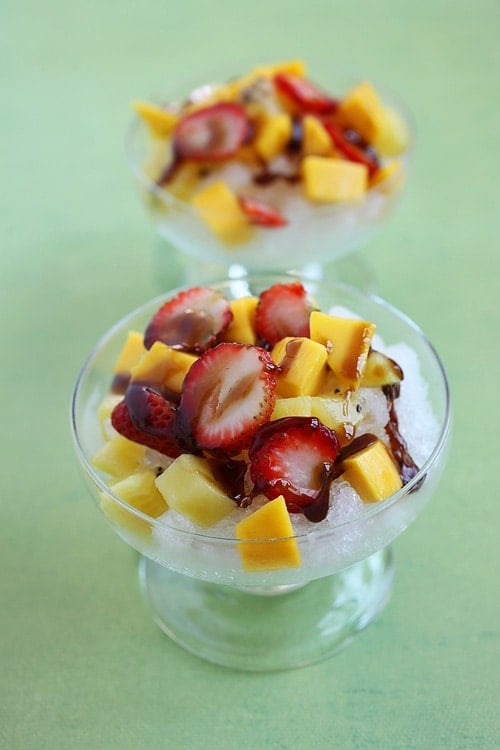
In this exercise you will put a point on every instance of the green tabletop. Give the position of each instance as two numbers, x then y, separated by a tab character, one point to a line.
82	664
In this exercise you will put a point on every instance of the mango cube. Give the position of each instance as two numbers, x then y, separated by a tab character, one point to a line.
267	541
348	342
273	135
372	473
302	365
330	180
362	110
315	138
218	206
140	491
119	457
163	366
296	406
131	352
190	489
339	414
158	119
104	414
242	327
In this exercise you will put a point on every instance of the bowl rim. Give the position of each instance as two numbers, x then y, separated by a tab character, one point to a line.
137	127
370	510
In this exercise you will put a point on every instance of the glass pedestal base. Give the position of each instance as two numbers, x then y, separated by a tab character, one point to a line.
267	629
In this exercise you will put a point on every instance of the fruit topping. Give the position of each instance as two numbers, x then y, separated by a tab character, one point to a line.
294	457
211	133
352	147
305	94
191	321
159	436
227	394
283	310
261	213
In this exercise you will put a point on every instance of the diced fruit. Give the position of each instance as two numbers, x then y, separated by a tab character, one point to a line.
339	414
393	137
190	321
297	406
149	411
362	111
273	135
304	94
160	120
302	366
283	310
242	327
119	457
296	68
190	489
164	367
261	214
132	351
353	148
380	370
219	207
104	411
294	457
211	133
267	541
227	394
315	139
391	172
140	491
121	421
330	180
372	473
348	342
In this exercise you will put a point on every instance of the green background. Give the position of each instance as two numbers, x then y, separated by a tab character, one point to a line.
82	665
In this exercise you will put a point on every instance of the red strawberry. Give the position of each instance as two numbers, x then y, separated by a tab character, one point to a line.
154	414
261	213
190	321
227	394
212	133
293	457
283	310
352	148
305	94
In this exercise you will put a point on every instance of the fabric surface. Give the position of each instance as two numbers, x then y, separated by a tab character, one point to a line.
82	664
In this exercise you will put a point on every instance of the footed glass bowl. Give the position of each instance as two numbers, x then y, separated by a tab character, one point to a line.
317	235
193	578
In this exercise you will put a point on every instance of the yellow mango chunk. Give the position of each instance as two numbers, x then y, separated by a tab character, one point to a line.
131	352
269	522
273	135
164	366
158	119
340	414
104	414
380	370
218	206
242	327
140	491
190	489
348	342
296	406
392	171
393	136
372	473
119	457
302	365
315	139
293	67
330	180
362	110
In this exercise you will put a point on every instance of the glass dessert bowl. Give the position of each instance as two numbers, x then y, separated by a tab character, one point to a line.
237	565
267	171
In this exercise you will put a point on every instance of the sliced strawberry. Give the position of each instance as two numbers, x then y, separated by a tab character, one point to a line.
305	94
190	321
283	310
227	394
352	148
211	133
261	213
163	441
294	457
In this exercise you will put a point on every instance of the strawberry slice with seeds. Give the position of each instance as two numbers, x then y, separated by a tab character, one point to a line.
160	420
227	394
294	457
352	148
261	213
283	310
305	94
190	321
212	133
